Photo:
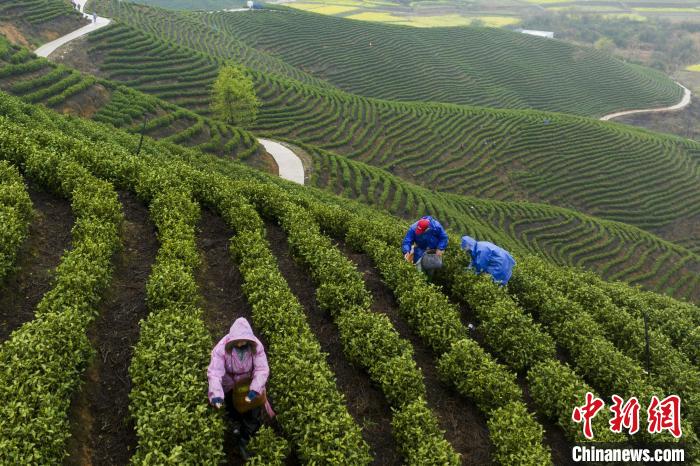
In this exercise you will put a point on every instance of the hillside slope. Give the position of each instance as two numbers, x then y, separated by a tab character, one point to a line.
208	5
467	65
603	169
365	353
565	237
68	91
178	28
34	22
520	327
614	250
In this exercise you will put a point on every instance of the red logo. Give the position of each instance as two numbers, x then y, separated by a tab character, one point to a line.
665	415
661	415
626	415
587	412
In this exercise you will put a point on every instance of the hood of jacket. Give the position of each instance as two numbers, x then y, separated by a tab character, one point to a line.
468	243
241	330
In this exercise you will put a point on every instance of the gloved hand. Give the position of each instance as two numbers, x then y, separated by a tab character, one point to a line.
251	396
217	402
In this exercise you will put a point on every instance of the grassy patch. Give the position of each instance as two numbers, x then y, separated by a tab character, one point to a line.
324	9
665	10
498	21
439	21
451	20
631	16
378	16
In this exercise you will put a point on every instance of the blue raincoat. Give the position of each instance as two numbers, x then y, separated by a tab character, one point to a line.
489	258
434	237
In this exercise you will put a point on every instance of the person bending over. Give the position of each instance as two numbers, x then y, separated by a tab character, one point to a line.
237	374
489	258
424	236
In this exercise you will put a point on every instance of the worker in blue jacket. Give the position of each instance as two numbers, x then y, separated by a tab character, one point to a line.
489	258
426	234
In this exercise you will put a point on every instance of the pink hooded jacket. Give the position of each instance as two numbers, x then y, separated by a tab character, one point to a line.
225	369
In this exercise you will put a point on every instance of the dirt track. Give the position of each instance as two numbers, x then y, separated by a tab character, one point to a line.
49	237
103	433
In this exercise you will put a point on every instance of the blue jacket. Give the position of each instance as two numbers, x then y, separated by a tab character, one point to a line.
489	258
434	238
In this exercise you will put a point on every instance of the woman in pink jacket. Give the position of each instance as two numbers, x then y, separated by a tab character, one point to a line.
236	361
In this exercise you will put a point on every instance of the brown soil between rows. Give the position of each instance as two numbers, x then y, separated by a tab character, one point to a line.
49	237
465	427
75	54
13	34
263	161
218	278
87	103
220	286
365	402
101	427
553	435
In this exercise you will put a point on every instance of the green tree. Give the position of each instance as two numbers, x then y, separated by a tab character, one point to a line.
233	98
605	44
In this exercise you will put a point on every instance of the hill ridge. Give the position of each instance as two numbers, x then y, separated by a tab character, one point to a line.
464	65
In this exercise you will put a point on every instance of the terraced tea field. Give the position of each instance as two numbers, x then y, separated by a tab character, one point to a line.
603	249
195	5
37	80
473	66
568	161
212	41
404	371
154	248
559	236
562	235
37	21
36	11
614	250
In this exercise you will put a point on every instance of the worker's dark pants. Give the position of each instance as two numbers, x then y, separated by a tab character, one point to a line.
249	422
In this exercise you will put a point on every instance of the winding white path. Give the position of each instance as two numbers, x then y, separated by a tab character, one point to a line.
685	101
47	49
290	166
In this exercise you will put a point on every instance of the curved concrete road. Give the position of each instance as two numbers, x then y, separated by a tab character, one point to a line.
290	166
685	101
47	49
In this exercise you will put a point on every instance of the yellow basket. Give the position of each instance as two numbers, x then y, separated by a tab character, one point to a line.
240	391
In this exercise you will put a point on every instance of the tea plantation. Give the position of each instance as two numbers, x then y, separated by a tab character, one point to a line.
36	11
473	66
615	250
133	232
602	169
87	162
